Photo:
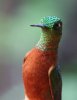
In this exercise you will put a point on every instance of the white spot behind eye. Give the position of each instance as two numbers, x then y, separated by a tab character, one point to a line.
59	25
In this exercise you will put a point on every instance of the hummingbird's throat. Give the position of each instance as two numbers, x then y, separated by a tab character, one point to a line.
48	42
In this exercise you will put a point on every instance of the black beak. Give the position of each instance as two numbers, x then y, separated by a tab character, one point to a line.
38	25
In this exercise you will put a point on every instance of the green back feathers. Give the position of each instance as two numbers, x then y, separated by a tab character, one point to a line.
49	21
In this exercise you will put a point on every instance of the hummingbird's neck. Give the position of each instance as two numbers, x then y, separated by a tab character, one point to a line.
48	42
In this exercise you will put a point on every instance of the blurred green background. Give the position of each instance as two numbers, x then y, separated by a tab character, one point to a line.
17	37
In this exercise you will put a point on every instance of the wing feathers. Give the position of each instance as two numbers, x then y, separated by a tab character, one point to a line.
55	83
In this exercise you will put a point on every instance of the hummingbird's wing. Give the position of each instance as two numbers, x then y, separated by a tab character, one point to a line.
24	60
26	56
55	83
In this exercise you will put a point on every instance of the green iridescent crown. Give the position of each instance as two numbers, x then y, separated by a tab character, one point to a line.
49	21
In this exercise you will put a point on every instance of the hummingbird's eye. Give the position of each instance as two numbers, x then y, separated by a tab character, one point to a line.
57	26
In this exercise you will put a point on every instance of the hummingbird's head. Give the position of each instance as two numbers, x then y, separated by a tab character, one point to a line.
51	24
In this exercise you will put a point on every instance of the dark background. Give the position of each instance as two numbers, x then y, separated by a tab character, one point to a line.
17	37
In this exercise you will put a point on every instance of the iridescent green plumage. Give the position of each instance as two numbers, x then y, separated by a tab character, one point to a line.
49	21
51	32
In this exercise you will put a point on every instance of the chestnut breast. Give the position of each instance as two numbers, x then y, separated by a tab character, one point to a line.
35	72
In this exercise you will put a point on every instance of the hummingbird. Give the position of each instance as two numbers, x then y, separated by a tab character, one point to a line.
41	73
